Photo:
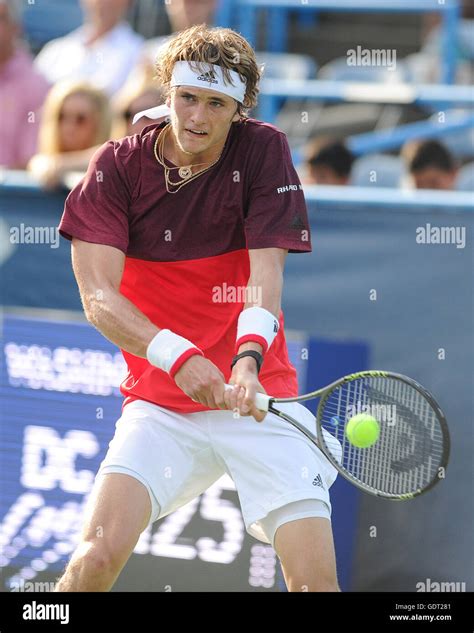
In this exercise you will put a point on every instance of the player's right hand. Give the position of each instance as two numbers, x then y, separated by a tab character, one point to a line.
202	381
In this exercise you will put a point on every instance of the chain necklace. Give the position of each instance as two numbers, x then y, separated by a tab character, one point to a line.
184	172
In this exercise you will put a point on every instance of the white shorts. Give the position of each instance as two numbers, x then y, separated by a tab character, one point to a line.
178	456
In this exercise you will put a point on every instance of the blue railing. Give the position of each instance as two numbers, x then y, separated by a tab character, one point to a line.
393	138
19	194
402	200
432	95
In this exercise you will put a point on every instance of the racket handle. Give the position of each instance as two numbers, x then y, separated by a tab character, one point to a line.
261	399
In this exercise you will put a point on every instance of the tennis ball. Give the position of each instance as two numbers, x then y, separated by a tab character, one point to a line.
362	430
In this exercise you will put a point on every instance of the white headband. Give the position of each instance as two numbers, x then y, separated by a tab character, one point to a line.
213	79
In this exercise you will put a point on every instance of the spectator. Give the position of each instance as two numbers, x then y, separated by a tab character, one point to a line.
139	93
431	21
328	162
430	165
22	92
103	50
426	66
76	121
183	14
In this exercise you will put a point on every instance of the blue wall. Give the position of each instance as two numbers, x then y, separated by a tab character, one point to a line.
424	303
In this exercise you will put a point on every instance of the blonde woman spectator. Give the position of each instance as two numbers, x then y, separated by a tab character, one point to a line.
22	92
76	121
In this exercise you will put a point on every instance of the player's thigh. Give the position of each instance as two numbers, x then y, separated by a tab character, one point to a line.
305	548
169	452
118	511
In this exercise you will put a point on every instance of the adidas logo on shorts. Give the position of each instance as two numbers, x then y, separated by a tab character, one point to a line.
317	481
209	77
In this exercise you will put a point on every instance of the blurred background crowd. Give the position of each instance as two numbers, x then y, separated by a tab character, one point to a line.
74	72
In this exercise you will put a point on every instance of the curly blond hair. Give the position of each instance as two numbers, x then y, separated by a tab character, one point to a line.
200	45
49	137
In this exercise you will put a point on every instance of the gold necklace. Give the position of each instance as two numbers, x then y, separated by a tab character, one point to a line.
184	172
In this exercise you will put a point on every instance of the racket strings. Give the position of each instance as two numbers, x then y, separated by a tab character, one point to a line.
409	451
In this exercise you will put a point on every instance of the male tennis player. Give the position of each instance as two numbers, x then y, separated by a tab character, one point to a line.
167	228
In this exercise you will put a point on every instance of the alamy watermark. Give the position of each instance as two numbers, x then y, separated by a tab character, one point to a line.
237	294
28	586
39	611
25	234
429	585
441	235
384	57
382	412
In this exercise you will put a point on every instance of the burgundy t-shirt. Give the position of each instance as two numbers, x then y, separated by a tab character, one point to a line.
187	263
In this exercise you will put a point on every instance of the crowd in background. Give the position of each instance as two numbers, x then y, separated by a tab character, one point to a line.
80	90
85	88
428	163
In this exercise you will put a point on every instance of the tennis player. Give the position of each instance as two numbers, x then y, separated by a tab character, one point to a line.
179	239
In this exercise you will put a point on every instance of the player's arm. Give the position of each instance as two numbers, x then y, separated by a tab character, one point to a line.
98	270
265	287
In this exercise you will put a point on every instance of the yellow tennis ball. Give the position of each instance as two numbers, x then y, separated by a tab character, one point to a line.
362	430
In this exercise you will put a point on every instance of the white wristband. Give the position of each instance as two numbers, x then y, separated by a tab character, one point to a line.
257	325
169	351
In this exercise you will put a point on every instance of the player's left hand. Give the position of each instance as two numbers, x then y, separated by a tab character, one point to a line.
246	384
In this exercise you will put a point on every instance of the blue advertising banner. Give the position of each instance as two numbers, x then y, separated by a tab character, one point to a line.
59	386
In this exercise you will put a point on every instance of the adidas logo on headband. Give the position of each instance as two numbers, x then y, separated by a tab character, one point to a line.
185	75
210	77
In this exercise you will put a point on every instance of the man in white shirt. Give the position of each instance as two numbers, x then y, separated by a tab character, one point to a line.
103	50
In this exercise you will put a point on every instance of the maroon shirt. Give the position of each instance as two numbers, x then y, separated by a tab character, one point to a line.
182	248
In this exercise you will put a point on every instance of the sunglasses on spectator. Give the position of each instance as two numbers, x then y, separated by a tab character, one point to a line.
78	119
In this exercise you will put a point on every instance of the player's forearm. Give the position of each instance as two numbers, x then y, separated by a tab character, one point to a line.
265	284
119	320
264	290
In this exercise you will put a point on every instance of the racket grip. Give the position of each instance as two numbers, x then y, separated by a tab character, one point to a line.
261	399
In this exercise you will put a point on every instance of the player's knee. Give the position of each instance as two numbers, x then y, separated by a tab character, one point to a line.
304	582
306	573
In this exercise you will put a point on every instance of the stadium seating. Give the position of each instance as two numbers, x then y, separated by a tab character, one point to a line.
339	70
377	170
287	65
46	20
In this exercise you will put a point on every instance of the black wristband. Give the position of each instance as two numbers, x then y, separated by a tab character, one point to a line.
250	352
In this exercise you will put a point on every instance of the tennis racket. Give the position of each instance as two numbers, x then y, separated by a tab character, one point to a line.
411	453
